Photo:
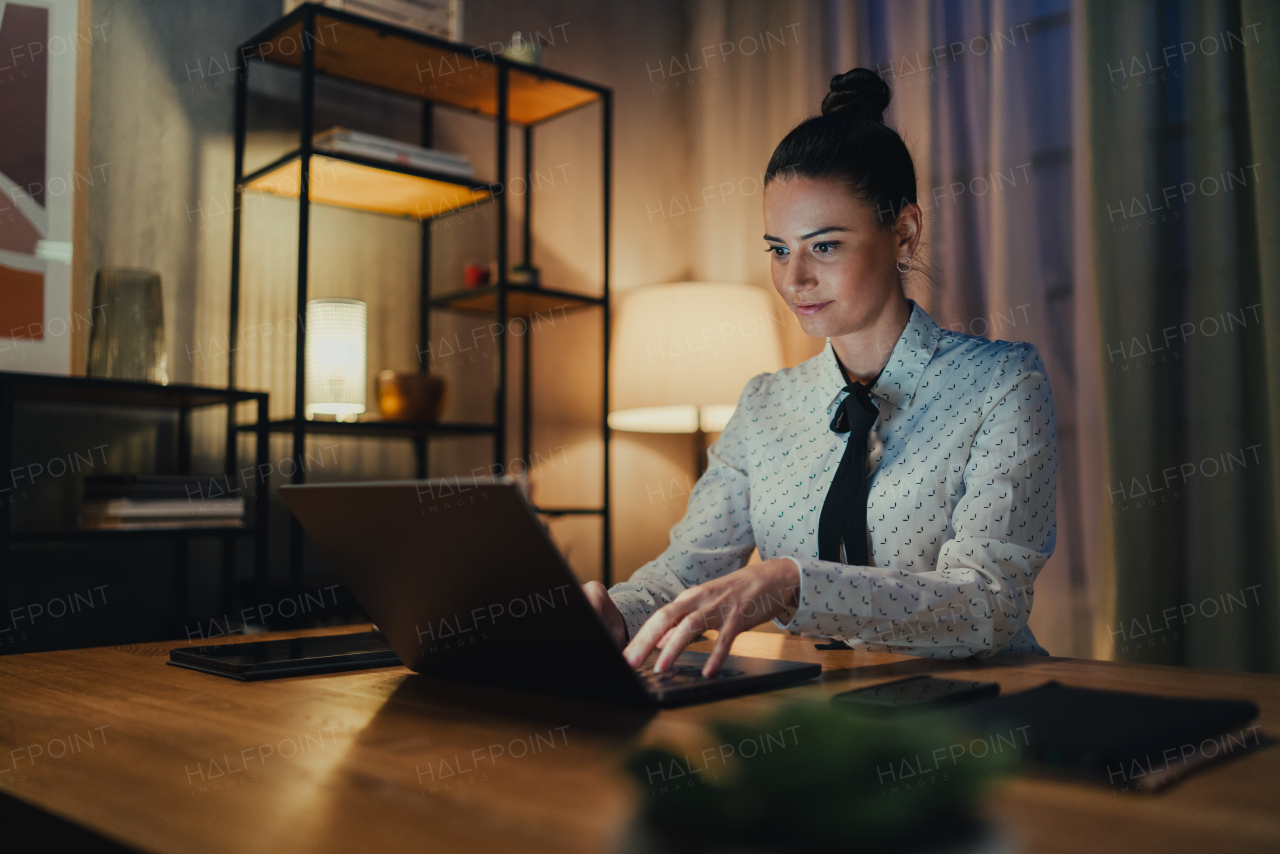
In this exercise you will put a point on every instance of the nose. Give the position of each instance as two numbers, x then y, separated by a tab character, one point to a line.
798	276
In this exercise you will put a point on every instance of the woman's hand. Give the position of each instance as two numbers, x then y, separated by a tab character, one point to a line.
732	604
598	596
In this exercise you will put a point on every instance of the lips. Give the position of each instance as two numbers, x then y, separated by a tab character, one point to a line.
805	309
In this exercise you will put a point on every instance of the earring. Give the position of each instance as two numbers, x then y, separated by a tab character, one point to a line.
909	261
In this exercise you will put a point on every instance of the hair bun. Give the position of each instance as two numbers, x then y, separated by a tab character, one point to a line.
860	94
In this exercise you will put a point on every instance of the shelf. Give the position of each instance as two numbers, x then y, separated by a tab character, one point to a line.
367	185
323	44
414	64
67	534
120	392
394	429
570	511
522	300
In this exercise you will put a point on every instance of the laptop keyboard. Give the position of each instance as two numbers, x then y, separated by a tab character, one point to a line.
682	674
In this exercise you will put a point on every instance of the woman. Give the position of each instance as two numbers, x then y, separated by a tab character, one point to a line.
899	486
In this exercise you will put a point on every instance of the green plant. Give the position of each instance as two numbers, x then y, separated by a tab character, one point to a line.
816	778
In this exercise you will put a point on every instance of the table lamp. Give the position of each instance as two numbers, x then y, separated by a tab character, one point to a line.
683	352
337	332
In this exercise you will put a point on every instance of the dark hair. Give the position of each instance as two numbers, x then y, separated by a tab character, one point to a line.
849	141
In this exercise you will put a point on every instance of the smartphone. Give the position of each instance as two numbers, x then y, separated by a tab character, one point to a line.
914	692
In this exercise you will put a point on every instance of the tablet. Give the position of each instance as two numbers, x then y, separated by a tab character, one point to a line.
271	659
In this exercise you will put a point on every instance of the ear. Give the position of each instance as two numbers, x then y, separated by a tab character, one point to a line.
907	230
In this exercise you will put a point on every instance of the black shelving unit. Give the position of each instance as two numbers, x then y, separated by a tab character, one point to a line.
317	40
18	388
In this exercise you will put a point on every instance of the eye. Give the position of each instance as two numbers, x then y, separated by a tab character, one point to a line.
777	251
826	247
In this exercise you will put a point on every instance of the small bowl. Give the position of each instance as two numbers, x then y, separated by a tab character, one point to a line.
410	396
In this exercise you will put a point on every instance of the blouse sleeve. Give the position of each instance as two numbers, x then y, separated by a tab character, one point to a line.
978	597
713	538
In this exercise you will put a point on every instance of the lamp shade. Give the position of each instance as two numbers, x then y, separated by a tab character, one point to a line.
337	332
683	352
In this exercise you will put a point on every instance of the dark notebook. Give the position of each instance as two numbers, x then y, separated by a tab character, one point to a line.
272	659
1128	741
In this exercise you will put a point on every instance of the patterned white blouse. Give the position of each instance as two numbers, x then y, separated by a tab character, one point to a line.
961	513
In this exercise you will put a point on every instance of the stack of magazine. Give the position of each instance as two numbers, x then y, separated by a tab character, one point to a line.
441	18
154	501
340	140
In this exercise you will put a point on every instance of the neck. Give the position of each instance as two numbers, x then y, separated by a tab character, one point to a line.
864	353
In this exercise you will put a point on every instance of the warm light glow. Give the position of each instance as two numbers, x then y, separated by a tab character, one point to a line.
656	419
715	416
337	332
671	419
683	352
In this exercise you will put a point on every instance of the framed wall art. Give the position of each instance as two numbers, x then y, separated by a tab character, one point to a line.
44	181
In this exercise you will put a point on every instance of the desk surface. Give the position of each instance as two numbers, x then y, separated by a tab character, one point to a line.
167	759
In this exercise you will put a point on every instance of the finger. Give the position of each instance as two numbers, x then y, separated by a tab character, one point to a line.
592	590
665	639
720	652
658	624
598	598
690	596
683	634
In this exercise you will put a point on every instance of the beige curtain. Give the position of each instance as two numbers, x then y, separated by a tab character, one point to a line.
1181	137
777	61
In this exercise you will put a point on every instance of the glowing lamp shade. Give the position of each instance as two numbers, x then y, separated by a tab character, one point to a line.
337	331
683	352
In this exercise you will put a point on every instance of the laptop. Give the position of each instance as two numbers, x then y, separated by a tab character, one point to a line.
464	582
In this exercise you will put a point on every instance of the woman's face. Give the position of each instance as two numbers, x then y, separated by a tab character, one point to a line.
830	259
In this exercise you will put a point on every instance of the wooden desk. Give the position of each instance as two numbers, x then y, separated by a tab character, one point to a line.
347	762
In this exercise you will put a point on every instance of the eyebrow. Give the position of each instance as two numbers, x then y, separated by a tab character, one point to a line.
810	234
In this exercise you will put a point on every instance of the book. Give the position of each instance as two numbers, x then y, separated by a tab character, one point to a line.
440	18
341	134
113	523
134	508
340	140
